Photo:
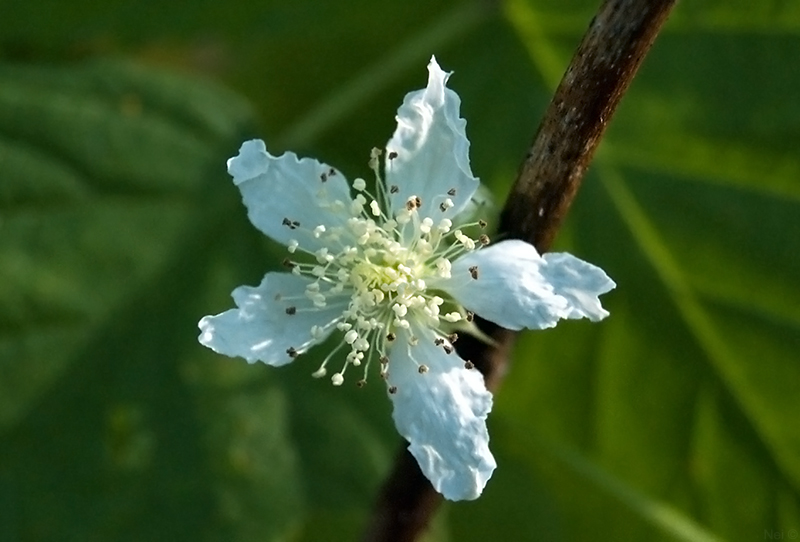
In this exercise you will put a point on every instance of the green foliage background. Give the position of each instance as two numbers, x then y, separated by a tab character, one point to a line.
676	418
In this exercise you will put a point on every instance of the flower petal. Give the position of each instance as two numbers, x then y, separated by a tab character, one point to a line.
442	413
517	288
432	150
580	282
288	188
261	329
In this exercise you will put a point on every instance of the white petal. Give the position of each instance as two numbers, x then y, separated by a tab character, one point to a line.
442	413
286	187
432	150
580	282
260	328
517	288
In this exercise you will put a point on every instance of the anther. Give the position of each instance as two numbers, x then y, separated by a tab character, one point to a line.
331	172
323	177
422	369
287	222
392	389
394	189
482	223
448	349
484	239
288	263
469	365
384	360
359	184
417	202
295	225
390	336
392	155
453	337
361	383
451	192
473	271
439	341
470	316
291	310
337	379
292	352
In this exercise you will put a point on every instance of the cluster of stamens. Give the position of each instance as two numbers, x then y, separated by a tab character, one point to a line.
375	267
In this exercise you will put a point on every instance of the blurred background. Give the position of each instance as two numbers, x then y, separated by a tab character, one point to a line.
676	418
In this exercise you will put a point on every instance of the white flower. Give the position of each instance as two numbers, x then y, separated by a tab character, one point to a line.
394	276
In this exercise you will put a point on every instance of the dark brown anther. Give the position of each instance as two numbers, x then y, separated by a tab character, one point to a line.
392	389
409	205
439	341
422	369
384	360
331	172
292	352
448	349
361	383
473	271
291	310
451	192
295	225
484	239
469	365
288	263
470	316
286	222
394	189
453	337
323	177
482	223
417	202
392	155
442	207
390	336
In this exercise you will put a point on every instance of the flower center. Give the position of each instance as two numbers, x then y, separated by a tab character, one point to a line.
375	267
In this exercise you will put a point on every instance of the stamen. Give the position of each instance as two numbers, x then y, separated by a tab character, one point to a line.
291	311
473	271
469	365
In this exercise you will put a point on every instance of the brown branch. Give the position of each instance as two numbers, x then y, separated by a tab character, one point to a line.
608	57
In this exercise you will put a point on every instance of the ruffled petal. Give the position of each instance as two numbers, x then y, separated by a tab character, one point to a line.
442	413
428	154
517	288
261	328
579	282
287	188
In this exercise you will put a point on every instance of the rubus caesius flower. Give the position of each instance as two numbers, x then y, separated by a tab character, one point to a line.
395	276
